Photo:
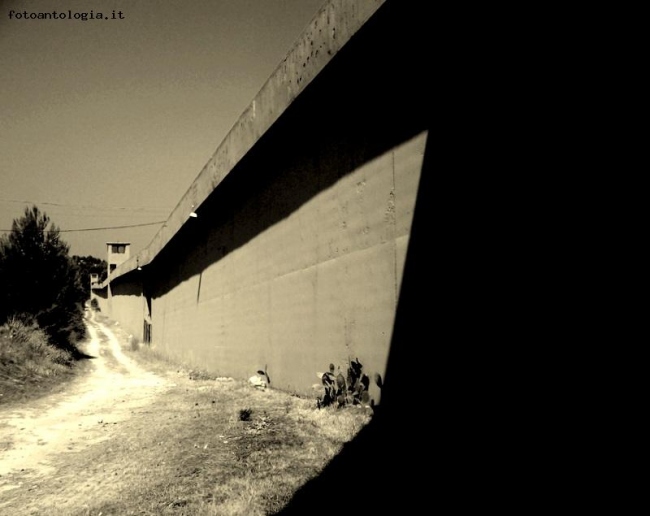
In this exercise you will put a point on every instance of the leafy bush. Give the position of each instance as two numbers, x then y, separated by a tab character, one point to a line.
39	279
351	389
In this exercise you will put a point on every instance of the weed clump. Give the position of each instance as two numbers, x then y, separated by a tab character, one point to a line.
351	389
201	374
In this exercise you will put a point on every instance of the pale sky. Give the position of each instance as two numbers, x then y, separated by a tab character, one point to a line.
107	122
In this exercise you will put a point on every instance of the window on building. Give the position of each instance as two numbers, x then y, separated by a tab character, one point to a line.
112	266
118	249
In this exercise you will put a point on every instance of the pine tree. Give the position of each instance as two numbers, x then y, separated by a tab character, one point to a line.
38	279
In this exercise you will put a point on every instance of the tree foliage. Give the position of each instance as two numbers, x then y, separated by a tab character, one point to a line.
88	265
39	281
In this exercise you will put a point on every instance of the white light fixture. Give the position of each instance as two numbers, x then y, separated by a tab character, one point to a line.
193	213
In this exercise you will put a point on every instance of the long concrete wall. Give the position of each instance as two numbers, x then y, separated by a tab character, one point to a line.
101	296
304	213
127	304
319	286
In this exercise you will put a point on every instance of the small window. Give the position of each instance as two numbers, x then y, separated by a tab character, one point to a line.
113	266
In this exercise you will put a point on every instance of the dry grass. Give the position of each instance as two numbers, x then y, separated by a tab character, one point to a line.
191	453
207	446
29	366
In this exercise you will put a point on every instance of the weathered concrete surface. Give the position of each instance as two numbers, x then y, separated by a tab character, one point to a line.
127	303
304	212
100	294
316	288
332	27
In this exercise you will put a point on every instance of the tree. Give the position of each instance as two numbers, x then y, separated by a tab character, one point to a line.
39	279
88	265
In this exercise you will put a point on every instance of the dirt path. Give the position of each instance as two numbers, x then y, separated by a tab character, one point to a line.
33	436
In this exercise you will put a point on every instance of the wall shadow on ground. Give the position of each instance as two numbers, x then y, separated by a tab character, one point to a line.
363	104
79	355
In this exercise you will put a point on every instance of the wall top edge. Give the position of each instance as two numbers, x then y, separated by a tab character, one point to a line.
329	31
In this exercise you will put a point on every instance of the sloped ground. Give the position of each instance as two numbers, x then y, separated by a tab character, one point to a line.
30	367
126	440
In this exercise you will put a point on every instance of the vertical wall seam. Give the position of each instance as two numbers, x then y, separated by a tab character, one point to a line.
395	271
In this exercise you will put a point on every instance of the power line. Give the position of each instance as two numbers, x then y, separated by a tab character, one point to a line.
81	206
95	229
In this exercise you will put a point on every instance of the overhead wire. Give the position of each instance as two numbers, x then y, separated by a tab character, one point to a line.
90	207
94	207
94	229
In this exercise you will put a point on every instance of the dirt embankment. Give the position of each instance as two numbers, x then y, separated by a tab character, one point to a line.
33	436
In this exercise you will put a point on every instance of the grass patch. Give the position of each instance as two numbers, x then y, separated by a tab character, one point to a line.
195	453
29	366
207	445
192	453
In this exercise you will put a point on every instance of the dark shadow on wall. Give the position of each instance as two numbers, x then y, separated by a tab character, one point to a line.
367	101
129	284
101	292
388	464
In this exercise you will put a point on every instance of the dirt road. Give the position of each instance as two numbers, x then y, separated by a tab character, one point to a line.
121	440
35	436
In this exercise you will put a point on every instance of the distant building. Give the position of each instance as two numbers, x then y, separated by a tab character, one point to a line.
117	253
94	280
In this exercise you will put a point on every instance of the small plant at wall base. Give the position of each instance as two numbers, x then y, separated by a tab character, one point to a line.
351	389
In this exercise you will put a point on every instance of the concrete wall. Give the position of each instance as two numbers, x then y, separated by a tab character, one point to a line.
127	303
304	213
101	295
319	286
